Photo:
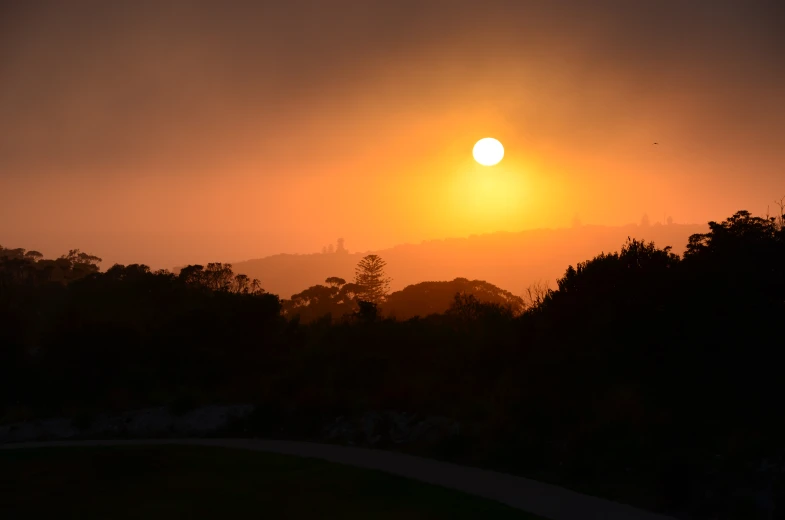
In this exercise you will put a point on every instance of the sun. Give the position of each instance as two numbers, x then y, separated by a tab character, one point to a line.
488	151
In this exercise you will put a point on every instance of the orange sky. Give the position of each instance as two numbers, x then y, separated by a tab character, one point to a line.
199	132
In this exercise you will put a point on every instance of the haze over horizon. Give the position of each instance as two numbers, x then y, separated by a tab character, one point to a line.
189	132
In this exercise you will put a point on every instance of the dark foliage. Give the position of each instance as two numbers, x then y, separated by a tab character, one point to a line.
644	376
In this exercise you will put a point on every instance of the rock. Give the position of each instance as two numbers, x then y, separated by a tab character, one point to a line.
149	422
372	428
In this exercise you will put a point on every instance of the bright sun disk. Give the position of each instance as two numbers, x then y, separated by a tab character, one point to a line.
488	151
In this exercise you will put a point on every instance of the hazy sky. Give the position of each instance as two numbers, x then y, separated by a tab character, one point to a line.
169	132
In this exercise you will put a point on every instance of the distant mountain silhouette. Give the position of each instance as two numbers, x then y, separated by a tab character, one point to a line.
426	298
512	261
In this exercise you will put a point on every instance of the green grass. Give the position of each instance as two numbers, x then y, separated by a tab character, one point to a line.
189	482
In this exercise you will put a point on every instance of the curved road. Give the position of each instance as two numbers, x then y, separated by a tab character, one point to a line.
541	499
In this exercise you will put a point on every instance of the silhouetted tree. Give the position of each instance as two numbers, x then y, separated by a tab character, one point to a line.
535	294
312	303
367	312
130	273
219	276
735	235
467	308
242	284
337	298
335	281
739	260
348	293
75	256
31	267
193	275
370	276
12	253
779	220
256	286
34	255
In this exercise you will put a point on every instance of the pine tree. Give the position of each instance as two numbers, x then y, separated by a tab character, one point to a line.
369	275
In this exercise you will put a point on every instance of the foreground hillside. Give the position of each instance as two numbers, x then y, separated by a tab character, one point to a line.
512	261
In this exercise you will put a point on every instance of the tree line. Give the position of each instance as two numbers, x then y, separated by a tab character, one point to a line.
643	376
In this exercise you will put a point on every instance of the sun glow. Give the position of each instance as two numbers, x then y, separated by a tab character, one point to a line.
488	151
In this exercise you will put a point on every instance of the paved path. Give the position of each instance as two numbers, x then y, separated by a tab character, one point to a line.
541	499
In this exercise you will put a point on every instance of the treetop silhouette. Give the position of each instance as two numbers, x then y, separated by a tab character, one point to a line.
369	275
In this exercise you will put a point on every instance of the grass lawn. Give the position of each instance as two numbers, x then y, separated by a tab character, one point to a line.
190	482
